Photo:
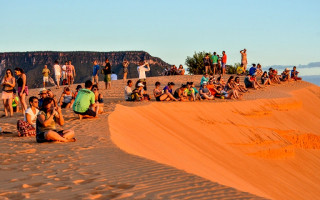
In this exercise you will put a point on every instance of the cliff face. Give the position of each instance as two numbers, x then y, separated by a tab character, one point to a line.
32	63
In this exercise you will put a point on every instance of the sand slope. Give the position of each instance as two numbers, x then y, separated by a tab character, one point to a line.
268	147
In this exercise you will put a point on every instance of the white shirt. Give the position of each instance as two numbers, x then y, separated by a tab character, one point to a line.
64	68
33	116
127	92
114	77
142	71
57	70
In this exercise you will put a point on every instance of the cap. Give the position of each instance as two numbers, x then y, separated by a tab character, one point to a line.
140	85
43	90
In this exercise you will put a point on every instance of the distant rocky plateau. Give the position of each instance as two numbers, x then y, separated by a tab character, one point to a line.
33	62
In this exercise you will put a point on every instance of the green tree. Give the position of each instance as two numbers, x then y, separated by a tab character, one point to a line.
195	63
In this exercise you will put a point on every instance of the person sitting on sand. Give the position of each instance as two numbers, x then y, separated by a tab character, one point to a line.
128	90
66	98
27	127
259	70
255	84
47	119
139	94
294	74
157	92
239	86
196	92
179	93
211	87
220	93
253	70
181	71
273	75
230	87
205	92
43	94
265	80
77	90
167	95
285	76
98	98
189	92
51	95
220	81
84	105
205	78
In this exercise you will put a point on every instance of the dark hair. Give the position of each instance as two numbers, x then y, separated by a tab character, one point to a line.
214	53
265	72
218	87
230	78
237	78
88	84
31	99
66	89
189	83
46	101
9	71
94	86
207	54
171	83
78	87
129	81
19	70
157	83
183	86
219	78
112	72
253	64
56	62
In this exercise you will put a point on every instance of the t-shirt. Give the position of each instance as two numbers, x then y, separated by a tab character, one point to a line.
83	100
206	61
204	90
214	59
114	77
57	70
252	71
224	58
40	128
211	89
33	116
107	69
127	92
142	71
204	79
45	72
95	70
167	88
15	101
64	68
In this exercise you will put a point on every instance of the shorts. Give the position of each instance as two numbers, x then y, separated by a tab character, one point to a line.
64	105
58	78
45	79
26	91
7	95
125	70
223	65
42	136
14	109
107	78
88	112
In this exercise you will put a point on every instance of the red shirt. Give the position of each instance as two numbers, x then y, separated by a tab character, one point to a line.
224	58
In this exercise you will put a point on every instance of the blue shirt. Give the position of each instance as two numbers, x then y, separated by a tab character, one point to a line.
95	70
204	79
252	71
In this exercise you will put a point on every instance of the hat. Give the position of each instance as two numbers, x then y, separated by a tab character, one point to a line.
43	90
287	69
204	83
140	85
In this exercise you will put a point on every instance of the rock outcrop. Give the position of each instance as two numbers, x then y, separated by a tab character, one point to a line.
33	62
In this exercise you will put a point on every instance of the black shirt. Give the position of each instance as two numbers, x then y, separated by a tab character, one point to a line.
107	71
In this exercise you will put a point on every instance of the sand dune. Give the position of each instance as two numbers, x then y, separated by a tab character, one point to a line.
268	147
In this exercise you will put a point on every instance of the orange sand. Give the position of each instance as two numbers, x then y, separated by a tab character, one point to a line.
268	147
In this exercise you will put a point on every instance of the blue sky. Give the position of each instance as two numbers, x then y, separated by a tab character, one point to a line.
284	32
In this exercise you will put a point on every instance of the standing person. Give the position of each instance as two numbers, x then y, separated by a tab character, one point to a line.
84	105
95	77
214	59
224	62
64	73
244	60
142	69
57	72
45	73
71	73
125	65
22	87
8	83
219	64
207	63
107	74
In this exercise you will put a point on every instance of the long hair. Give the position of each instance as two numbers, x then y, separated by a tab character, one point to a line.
230	78
19	70
46	101
6	76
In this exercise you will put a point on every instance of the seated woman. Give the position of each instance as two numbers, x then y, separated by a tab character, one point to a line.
220	93
230	87
46	124
179	93
157	92
167	95
189	92
205	92
273	75
128	91
211	87
67	98
265	80
239	86
220	82
294	74
285	76
181	71
98	98
28	126
259	70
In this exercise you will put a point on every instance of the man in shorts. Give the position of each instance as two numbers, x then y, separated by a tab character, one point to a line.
223	62
71	73
95	77
45	73
107	74
84	105
214	59
57	72
244	60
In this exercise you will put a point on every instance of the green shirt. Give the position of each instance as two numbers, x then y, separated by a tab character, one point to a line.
14	102
214	59
83	100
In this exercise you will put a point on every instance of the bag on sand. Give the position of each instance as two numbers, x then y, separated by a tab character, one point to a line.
52	81
25	129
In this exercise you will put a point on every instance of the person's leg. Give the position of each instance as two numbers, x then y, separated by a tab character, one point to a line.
5	107
10	106
206	67
54	136
68	134
125	76
44	82
22	99
58	81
